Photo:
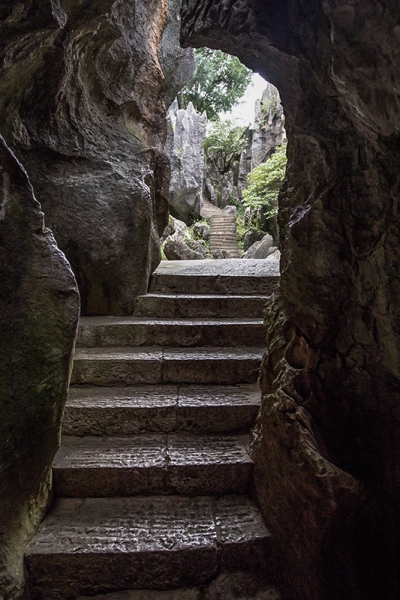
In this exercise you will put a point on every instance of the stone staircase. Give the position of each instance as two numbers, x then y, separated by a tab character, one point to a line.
153	475
223	235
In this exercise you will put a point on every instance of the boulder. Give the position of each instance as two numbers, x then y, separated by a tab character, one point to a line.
82	106
198	246
251	236
202	230
177	249
274	254
39	307
186	132
261	249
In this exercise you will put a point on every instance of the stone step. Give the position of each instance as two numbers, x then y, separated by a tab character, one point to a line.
126	366
95	545
261	277
200	306
140	331
93	410
158	463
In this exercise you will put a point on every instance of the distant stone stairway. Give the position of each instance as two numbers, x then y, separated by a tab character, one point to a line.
223	235
153	474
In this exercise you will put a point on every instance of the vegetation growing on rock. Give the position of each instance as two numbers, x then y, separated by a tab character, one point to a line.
265	181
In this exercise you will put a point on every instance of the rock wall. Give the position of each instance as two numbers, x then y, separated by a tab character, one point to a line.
39	308
82	106
186	132
327	448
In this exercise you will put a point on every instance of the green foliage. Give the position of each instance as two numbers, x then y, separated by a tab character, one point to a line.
224	143
265	181
218	83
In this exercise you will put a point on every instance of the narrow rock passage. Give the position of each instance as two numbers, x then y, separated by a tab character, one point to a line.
153	475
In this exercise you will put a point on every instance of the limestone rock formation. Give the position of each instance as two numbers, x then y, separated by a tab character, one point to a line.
269	126
82	106
186	132
178	244
261	249
328	442
178	64
39	307
251	236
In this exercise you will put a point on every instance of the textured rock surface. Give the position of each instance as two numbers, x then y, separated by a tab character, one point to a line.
178	64
39	307
328	445
261	249
186	132
269	126
251	236
82	106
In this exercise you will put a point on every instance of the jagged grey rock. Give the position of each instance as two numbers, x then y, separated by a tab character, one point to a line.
186	132
269	126
251	236
178	64
177	249
202	230
39	307
260	249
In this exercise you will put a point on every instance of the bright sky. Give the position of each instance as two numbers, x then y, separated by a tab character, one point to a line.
243	113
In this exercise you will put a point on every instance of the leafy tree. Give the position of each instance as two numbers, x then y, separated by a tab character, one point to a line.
218	83
224	143
265	181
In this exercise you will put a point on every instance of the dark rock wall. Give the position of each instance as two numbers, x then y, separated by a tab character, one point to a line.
327	447
39	308
82	106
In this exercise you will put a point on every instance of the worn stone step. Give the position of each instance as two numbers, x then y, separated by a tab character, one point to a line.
140	331
173	463
93	410
204	277
125	366
96	545
199	306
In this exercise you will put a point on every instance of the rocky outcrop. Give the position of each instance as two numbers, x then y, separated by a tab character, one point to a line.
178	64
327	448
39	307
178	243
262	248
269	126
82	105
251	236
186	132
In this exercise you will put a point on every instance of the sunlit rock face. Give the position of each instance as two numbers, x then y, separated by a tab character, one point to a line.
39	308
82	106
327	446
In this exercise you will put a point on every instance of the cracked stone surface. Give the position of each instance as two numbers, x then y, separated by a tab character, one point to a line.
223	276
143	464
199	306
141	331
92	410
110	366
176	538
